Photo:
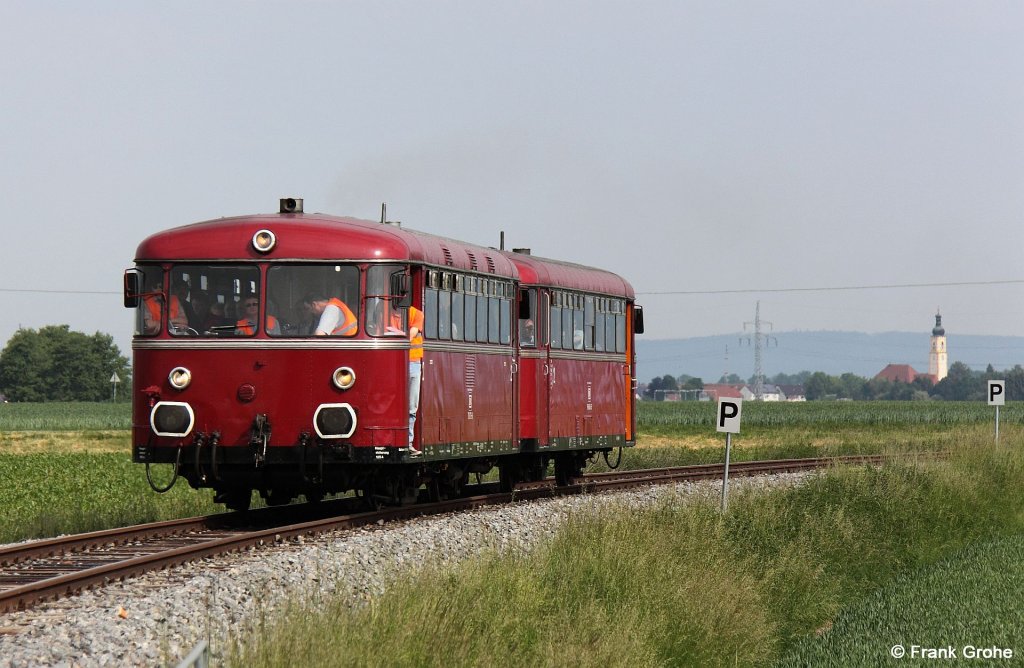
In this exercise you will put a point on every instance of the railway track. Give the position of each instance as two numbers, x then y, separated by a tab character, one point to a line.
49	569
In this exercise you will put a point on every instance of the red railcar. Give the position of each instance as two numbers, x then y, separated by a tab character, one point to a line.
526	361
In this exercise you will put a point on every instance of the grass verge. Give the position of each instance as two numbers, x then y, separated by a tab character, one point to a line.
674	585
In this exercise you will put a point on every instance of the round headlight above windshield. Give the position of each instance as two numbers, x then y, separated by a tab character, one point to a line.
263	241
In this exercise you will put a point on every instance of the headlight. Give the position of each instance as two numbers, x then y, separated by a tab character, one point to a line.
263	241
343	378
172	418
179	378
334	421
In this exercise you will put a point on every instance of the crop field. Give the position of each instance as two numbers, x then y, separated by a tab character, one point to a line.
651	416
67	467
70	416
661	415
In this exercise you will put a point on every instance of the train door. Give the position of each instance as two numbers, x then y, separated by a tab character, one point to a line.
531	394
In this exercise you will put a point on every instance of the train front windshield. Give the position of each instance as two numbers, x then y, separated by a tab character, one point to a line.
225	300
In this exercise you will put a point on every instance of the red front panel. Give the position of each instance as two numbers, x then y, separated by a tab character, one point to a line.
289	384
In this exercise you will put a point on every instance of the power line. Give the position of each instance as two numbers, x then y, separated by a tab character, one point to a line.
893	286
63	292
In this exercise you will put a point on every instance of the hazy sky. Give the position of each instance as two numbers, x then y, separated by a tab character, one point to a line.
688	146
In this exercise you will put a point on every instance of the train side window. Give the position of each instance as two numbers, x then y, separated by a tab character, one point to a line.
556	327
588	323
457	316
599	332
444	315
505	316
493	320
620	333
567	328
577	329
470	321
430	313
609	332
481	319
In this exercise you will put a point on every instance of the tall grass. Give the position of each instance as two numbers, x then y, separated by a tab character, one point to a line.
678	584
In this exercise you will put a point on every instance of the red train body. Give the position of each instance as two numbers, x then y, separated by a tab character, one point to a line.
527	361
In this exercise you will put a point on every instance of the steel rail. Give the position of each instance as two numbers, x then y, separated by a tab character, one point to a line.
237	538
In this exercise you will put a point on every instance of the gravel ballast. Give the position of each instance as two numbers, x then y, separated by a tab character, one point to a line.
157	618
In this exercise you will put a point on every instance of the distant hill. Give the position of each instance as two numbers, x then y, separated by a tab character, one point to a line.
832	352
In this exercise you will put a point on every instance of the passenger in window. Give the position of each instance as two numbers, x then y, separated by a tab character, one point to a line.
153	311
246	325
336	318
527	333
200	311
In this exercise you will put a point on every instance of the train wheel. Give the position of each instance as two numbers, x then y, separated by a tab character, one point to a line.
509	473
568	466
235	499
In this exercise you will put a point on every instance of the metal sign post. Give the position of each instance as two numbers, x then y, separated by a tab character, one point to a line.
729	422
114	380
997	398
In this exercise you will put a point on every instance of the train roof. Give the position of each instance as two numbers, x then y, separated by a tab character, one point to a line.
534	270
314	236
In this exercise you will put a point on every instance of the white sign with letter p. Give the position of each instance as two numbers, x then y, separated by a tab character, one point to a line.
729	410
997	393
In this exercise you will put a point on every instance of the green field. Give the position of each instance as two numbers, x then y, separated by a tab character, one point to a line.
662	415
971	601
70	416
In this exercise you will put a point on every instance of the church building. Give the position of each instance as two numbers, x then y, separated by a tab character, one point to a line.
938	360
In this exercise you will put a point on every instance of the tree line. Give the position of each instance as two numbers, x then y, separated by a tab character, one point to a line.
54	363
961	384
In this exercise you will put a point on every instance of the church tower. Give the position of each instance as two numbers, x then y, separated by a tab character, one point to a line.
938	361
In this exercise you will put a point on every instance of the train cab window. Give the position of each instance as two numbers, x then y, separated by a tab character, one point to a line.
215	300
290	289
384	316
150	311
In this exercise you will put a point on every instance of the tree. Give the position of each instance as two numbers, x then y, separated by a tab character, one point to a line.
56	364
820	386
961	384
655	389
